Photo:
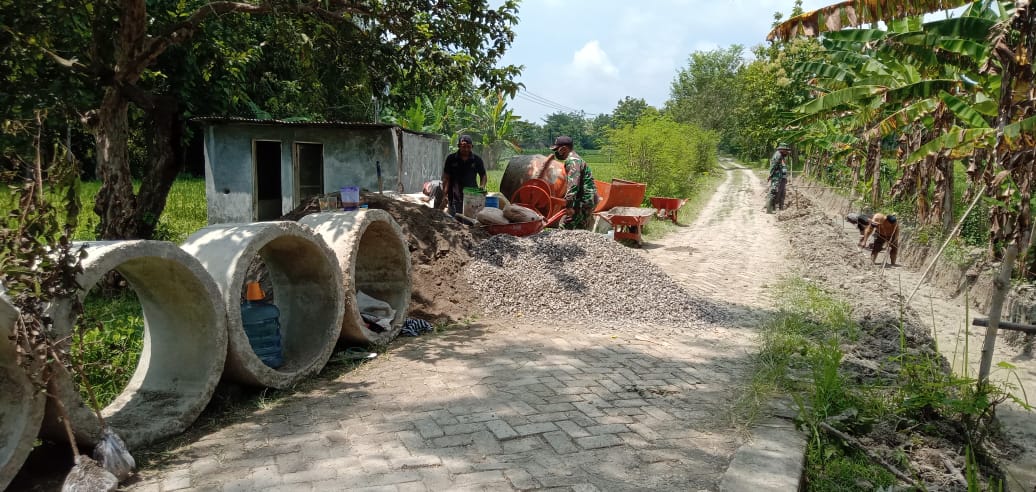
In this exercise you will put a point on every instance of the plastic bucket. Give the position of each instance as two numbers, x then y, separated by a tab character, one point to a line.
474	202
492	202
350	197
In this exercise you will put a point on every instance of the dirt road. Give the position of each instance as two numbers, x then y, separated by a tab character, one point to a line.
732	252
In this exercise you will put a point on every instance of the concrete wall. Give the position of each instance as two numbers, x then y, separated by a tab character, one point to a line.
422	161
350	154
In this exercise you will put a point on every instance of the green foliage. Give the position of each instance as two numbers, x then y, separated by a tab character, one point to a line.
670	157
801	356
109	342
704	92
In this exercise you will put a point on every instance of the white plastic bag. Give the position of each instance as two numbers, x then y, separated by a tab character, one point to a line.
88	476
112	454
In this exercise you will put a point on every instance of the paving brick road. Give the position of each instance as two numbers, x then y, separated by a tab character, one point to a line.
508	405
494	406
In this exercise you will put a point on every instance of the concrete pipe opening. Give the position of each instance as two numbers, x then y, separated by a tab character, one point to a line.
21	406
184	349
307	286
375	260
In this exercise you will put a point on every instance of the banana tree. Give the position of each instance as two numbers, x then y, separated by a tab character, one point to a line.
492	122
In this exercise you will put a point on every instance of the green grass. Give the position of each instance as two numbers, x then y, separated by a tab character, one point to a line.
185	211
111	343
801	360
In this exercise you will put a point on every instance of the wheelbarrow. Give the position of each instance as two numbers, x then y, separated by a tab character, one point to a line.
667	208
519	229
628	222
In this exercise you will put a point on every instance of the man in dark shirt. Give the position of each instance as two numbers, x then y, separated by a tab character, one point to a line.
459	171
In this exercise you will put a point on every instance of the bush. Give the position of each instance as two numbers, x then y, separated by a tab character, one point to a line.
669	157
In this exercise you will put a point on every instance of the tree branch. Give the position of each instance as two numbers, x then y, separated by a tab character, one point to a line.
186	29
858	445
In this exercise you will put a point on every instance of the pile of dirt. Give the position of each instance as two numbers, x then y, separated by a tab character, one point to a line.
889	337
439	251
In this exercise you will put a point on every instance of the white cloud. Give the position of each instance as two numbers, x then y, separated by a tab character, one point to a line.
592	60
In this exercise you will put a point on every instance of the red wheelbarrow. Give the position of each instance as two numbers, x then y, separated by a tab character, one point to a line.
628	222
667	208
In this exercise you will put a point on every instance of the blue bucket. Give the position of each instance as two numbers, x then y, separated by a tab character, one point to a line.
492	201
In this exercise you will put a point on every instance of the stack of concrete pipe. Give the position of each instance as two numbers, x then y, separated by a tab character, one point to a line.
193	333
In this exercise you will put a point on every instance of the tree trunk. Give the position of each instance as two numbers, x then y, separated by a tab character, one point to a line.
874	166
165	156
115	203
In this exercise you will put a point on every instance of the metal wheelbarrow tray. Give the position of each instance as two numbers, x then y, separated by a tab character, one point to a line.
519	229
628	222
667	208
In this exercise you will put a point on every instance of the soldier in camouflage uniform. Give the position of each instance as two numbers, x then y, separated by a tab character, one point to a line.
581	197
778	178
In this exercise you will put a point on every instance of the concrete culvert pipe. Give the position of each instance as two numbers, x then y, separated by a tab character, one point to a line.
375	260
185	343
307	286
21	406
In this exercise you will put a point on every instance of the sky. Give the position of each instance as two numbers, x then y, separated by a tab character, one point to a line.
587	55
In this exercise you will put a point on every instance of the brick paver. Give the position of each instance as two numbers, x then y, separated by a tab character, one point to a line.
493	406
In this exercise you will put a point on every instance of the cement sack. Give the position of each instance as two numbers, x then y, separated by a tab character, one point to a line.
491	216
518	213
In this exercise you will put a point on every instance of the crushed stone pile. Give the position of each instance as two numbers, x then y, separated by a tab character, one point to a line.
560	275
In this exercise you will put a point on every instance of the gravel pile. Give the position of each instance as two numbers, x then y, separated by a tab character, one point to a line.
580	276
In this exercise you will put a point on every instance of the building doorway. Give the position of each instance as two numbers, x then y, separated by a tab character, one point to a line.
267	159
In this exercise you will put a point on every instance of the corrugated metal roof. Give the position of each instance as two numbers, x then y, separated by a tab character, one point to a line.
217	120
228	120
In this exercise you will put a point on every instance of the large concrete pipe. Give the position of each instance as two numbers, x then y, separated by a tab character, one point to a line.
374	259
307	285
521	168
21	406
185	343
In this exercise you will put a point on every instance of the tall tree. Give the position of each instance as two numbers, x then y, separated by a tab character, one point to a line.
112	48
629	110
704	91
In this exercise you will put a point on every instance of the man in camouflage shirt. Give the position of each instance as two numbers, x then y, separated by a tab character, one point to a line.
581	197
778	178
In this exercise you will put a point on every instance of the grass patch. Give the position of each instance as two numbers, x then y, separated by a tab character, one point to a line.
800	358
185	210
912	398
109	343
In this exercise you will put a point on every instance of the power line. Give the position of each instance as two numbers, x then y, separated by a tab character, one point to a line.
547	102
525	98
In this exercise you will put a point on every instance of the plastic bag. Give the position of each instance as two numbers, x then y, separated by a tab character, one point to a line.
88	476
112	454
